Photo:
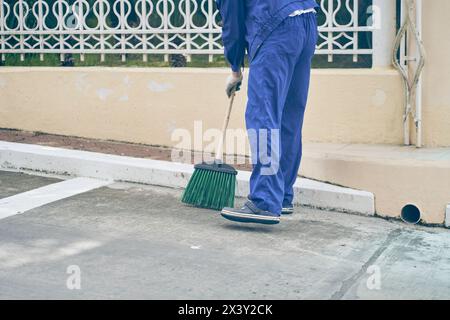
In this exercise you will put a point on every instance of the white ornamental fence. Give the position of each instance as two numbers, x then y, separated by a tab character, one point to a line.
187	27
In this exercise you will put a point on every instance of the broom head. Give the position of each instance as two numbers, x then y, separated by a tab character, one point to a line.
212	186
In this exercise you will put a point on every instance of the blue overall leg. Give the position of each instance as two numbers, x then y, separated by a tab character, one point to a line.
294	110
278	87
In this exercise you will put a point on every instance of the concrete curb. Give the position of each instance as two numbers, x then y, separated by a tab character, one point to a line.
17	156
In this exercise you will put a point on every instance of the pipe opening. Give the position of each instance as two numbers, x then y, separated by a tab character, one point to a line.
411	214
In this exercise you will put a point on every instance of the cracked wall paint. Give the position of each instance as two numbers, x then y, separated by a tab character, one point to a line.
127	81
379	98
104	93
159	87
171	126
81	82
2	83
124	98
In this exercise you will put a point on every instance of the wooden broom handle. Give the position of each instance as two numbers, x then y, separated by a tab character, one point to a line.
219	150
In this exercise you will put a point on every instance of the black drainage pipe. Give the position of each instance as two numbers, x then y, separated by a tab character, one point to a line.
411	214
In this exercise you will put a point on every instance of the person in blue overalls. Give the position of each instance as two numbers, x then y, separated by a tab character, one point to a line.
280	38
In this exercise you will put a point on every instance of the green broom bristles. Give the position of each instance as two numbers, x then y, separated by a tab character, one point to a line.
211	186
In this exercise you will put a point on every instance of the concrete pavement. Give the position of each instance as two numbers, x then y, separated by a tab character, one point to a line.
135	241
12	183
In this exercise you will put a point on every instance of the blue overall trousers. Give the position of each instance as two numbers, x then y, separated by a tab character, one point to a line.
280	49
277	94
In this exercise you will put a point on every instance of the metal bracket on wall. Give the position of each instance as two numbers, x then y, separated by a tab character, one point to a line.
411	66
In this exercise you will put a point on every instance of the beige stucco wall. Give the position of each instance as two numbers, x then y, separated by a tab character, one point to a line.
146	105
346	106
436	78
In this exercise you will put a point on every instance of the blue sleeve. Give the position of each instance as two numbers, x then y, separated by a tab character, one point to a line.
233	31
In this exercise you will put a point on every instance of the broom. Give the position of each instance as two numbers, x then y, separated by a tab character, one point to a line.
213	185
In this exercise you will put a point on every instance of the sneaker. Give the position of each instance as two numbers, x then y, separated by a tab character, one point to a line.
249	213
289	209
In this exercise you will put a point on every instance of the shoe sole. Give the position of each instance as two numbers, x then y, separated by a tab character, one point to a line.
287	211
249	218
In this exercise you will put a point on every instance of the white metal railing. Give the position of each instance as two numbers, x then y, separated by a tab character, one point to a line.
148	27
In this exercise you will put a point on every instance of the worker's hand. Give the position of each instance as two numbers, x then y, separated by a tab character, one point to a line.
234	83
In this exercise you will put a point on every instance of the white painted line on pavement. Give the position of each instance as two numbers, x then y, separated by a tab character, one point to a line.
25	201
